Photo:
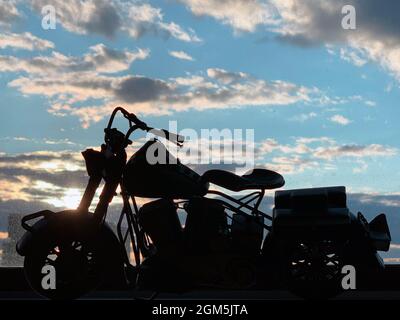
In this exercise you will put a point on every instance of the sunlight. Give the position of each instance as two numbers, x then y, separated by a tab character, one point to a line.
70	199
48	165
58	165
3	235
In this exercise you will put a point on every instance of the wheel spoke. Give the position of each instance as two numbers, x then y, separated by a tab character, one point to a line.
77	245
316	261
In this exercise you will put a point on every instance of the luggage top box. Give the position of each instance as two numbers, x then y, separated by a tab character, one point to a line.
311	199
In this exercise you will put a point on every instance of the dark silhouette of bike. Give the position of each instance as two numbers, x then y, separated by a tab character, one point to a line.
226	243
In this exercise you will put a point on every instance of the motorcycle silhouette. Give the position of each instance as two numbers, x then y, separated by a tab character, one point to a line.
226	242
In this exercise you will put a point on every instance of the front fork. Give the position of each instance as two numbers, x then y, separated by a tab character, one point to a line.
102	165
91	188
110	168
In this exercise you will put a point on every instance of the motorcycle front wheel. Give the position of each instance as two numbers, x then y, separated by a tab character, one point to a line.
64	269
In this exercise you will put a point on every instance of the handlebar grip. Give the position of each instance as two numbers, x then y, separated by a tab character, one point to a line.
142	125
173	137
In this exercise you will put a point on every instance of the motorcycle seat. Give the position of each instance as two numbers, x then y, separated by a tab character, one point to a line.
253	179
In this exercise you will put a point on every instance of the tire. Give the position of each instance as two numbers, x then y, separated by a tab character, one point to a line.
312	269
78	265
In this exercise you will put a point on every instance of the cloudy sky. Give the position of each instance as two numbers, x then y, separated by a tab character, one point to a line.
323	101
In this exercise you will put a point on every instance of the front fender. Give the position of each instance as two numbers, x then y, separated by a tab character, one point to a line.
71	225
65	225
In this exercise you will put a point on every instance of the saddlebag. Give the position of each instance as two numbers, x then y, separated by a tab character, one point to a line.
160	221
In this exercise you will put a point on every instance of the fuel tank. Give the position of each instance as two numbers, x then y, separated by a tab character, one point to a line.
152	172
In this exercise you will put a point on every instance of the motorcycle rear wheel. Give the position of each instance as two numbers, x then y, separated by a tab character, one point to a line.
78	269
313	268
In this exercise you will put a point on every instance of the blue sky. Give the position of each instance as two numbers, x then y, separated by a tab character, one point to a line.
323	101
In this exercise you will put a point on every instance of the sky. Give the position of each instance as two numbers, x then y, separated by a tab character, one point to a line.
323	101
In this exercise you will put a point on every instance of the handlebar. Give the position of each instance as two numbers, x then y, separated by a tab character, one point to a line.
130	116
138	124
173	137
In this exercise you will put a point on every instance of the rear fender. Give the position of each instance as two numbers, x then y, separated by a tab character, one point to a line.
379	233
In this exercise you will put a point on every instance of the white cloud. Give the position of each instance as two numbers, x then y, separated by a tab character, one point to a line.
224	76
180	55
327	148
376	37
143	19
351	55
354	150
66	80
337	118
292	165
155	96
107	18
8	12
241	15
85	17
99	59
308	140
303	117
194	81
25	41
317	22
316	153
370	103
